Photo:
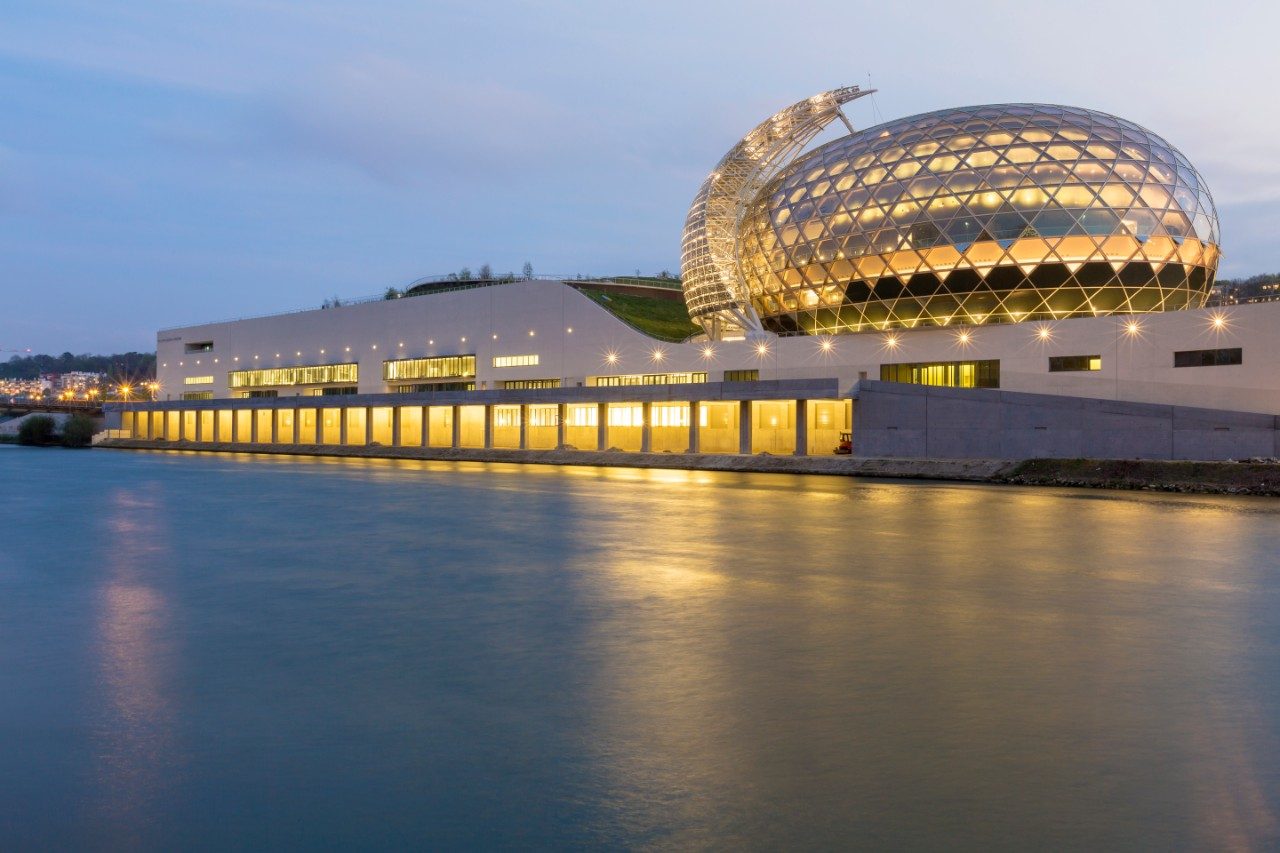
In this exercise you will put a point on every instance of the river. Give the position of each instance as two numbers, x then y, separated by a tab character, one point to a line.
204	651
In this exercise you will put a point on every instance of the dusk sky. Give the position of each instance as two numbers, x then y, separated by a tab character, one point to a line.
171	163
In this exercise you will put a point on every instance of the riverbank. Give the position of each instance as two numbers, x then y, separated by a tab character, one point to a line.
1211	478
970	470
1226	478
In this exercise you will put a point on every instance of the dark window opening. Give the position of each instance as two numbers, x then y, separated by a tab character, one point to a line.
1208	357
1070	363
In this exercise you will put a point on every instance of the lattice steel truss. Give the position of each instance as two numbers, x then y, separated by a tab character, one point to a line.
714	288
981	214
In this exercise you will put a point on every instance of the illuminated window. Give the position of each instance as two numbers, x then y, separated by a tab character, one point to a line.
950	374
543	416
650	379
198	380
1208	357
1070	363
515	360
518	384
430	387
625	415
582	415
506	416
438	367
318	374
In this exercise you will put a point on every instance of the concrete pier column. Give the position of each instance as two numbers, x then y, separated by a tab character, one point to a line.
646	427
395	426
744	426
562	412
802	428
524	426
488	427
456	439
602	426
695	427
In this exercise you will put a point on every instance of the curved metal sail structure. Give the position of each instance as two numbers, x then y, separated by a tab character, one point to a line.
714	288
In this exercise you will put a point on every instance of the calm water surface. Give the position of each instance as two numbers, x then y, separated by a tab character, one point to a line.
203	651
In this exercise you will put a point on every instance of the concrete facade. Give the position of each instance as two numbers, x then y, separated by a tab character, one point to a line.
576	342
922	422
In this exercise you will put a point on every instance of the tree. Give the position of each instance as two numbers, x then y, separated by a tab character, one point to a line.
77	431
485	272
527	270
36	429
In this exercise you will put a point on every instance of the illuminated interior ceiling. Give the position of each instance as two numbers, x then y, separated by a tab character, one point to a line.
715	290
976	215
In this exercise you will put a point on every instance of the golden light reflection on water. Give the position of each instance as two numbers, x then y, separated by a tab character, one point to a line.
136	740
889	658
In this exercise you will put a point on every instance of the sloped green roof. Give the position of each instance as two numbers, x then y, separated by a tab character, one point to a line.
664	319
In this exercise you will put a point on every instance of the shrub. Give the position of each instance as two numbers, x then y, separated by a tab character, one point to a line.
37	429
77	431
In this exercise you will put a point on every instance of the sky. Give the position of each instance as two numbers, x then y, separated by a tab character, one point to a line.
171	163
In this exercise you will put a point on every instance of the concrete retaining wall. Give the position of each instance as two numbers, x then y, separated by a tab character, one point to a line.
917	421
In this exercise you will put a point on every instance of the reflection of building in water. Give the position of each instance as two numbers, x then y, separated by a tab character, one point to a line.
1021	247
137	741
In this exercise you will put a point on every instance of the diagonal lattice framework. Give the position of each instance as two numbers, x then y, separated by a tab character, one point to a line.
998	213
714	288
